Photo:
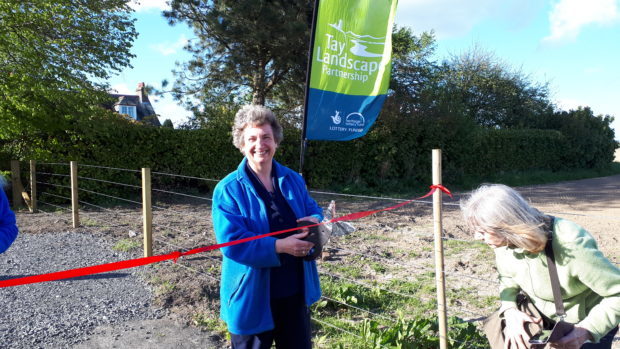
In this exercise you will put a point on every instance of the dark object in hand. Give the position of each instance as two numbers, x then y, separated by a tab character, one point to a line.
560	330
317	235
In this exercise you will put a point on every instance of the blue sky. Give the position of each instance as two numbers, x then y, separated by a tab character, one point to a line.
574	45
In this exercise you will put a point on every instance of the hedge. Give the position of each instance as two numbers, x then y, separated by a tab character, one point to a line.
398	156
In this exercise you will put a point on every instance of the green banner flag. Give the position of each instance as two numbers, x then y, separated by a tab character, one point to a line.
350	67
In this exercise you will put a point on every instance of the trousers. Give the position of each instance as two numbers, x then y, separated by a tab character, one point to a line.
292	330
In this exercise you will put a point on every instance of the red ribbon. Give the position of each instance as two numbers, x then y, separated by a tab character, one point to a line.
132	263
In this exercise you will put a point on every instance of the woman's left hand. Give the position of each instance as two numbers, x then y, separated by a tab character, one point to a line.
573	340
307	218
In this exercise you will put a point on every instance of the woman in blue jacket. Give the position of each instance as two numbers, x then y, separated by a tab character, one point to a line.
8	228
266	286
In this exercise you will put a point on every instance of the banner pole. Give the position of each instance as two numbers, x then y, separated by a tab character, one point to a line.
304	141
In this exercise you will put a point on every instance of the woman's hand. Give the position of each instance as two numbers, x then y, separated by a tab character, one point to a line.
310	219
515	335
294	246
573	340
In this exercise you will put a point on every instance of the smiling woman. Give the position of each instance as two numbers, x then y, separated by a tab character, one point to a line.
266	285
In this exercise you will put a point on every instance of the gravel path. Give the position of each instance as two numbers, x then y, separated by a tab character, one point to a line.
62	313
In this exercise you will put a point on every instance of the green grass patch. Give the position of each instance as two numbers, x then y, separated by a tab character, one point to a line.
126	245
164	288
469	295
89	222
211	322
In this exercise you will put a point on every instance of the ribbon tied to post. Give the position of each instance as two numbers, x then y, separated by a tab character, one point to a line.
132	263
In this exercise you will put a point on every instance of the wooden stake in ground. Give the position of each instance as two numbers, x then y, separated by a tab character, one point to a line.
33	186
440	279
147	213
74	195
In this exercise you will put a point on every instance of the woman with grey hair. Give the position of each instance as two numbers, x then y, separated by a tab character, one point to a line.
518	233
8	227
266	285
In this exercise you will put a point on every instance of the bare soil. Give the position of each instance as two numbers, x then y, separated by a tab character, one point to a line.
399	241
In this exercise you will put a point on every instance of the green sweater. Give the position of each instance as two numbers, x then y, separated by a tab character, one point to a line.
590	283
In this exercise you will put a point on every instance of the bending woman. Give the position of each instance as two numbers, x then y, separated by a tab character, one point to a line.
518	233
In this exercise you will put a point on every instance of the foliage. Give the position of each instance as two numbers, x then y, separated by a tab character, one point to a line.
394	156
49	53
591	138
412	68
420	333
493	94
244	47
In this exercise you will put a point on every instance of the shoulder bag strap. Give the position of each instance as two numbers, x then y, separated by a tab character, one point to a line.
553	274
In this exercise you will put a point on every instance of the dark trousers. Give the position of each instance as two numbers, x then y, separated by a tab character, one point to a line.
604	343
291	319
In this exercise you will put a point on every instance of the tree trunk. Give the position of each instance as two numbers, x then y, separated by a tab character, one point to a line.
259	92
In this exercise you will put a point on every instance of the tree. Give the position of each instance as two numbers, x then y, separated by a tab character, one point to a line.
245	49
491	92
51	52
167	123
412	68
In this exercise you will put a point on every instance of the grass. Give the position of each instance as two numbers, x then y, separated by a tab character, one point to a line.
456	247
89	222
212	322
374	317
469	295
164	288
126	245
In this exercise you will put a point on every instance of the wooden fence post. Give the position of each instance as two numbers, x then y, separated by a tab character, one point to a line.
33	186
16	184
440	279
147	213
74	195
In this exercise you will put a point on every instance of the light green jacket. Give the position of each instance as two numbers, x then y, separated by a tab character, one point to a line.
590	283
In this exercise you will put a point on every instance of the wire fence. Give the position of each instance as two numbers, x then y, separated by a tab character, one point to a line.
389	258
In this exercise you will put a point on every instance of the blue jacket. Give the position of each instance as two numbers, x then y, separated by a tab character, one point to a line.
8	228
238	212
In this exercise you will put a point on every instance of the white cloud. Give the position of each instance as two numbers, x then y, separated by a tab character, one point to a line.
448	18
167	108
122	89
146	5
568	17
568	104
456	18
167	48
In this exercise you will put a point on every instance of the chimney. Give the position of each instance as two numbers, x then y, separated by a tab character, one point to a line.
144	98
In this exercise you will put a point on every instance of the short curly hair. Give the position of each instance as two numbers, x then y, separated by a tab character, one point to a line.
254	115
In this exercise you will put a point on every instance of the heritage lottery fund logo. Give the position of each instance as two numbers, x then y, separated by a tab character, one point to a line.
349	55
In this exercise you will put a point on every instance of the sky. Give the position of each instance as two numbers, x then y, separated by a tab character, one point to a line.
573	45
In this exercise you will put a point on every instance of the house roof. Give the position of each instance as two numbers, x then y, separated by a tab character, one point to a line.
144	109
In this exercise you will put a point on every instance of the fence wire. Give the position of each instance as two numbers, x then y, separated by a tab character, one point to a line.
192	265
